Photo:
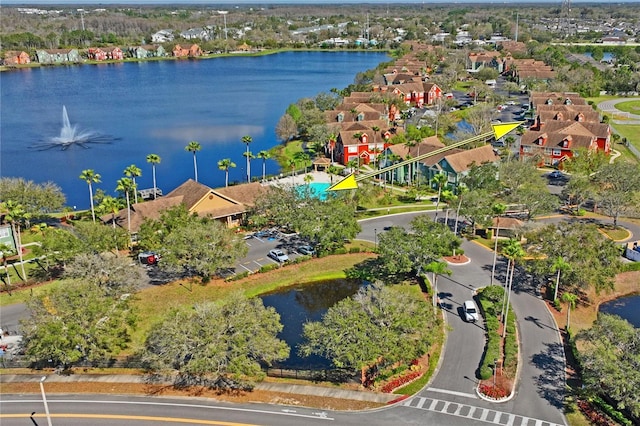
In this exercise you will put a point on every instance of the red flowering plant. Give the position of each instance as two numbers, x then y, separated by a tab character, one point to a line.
397	382
493	392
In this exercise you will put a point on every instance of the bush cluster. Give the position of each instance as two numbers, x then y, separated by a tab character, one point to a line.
401	381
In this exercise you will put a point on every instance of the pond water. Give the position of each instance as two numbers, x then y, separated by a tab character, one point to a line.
306	302
627	308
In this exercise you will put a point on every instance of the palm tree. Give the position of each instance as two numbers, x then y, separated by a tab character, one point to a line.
571	300
249	155
14	213
462	189
440	180
194	147
133	172
154	159
292	164
559	265
125	185
90	177
448	197
264	156
111	205
513	251
498	210
303	158
225	165
247	140
437	268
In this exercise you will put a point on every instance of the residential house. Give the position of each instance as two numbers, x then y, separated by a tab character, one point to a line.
357	112
417	93
58	56
358	141
104	53
456	165
147	51
485	59
196	33
528	69
187	52
418	171
556	140
12	58
162	36
228	205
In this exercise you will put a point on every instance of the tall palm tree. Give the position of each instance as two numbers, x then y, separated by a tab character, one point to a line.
498	210
247	140
133	172
154	159
448	197
248	155
440	180
264	156
559	265
292	164
111	205
4	250
571	300
91	177
303	158
15	213
125	185
225	165
194	147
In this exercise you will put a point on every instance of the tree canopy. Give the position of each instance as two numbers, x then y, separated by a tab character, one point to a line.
35	198
609	354
213	341
190	244
394	323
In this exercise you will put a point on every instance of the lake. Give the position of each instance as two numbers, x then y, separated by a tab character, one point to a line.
159	107
306	302
627	308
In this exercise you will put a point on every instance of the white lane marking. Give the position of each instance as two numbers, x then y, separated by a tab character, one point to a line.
450	392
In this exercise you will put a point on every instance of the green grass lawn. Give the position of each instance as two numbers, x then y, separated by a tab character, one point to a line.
630	106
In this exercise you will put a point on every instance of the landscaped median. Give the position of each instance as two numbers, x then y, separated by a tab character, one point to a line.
498	369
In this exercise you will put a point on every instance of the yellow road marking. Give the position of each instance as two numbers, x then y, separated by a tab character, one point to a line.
123	417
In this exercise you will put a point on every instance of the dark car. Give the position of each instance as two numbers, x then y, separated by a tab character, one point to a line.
306	250
556	174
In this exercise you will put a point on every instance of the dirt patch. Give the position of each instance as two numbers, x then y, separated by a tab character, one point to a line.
458	259
255	396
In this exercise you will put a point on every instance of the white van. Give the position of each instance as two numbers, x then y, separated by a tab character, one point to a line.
470	311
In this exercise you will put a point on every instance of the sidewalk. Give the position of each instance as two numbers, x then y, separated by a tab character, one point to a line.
321	391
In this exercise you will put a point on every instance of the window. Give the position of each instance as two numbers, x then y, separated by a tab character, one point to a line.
557	152
352	148
547	151
526	149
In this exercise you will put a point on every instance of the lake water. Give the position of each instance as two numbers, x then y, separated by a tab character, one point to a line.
159	107
306	302
627	308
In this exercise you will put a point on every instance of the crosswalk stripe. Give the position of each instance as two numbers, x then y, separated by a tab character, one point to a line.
477	413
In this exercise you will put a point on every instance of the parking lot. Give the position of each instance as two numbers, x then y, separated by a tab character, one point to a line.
260	243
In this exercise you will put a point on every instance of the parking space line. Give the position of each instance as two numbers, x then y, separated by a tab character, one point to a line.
246	268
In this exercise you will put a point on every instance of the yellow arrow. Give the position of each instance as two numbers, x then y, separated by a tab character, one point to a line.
347	183
502	129
499	130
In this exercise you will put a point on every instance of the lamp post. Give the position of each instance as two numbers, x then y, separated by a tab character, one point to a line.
44	399
495	370
375	238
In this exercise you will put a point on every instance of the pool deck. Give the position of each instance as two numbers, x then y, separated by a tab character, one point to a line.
318	177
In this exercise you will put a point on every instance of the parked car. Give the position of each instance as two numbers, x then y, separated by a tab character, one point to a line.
556	174
470	311
278	255
306	250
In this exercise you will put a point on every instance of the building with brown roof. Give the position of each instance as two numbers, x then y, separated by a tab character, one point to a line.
228	205
456	165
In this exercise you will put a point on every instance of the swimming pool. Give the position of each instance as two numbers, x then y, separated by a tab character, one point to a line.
317	189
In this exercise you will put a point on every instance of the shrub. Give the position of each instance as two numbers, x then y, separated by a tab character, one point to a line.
341	250
354	250
270	267
400	381
485	372
237	277
557	305
494	392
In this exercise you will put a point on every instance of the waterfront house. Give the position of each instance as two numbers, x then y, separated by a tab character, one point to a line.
456	165
418	171
183	52
358	141
162	36
12	58
104	53
58	56
147	51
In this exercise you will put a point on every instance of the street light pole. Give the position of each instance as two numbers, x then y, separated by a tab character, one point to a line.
495	370
224	16
375	238
44	399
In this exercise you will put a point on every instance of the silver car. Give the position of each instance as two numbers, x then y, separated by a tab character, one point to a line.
278	256
470	311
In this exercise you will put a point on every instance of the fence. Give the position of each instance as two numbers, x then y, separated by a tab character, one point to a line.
323	375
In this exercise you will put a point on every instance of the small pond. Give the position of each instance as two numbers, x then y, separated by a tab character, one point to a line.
306	302
627	308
